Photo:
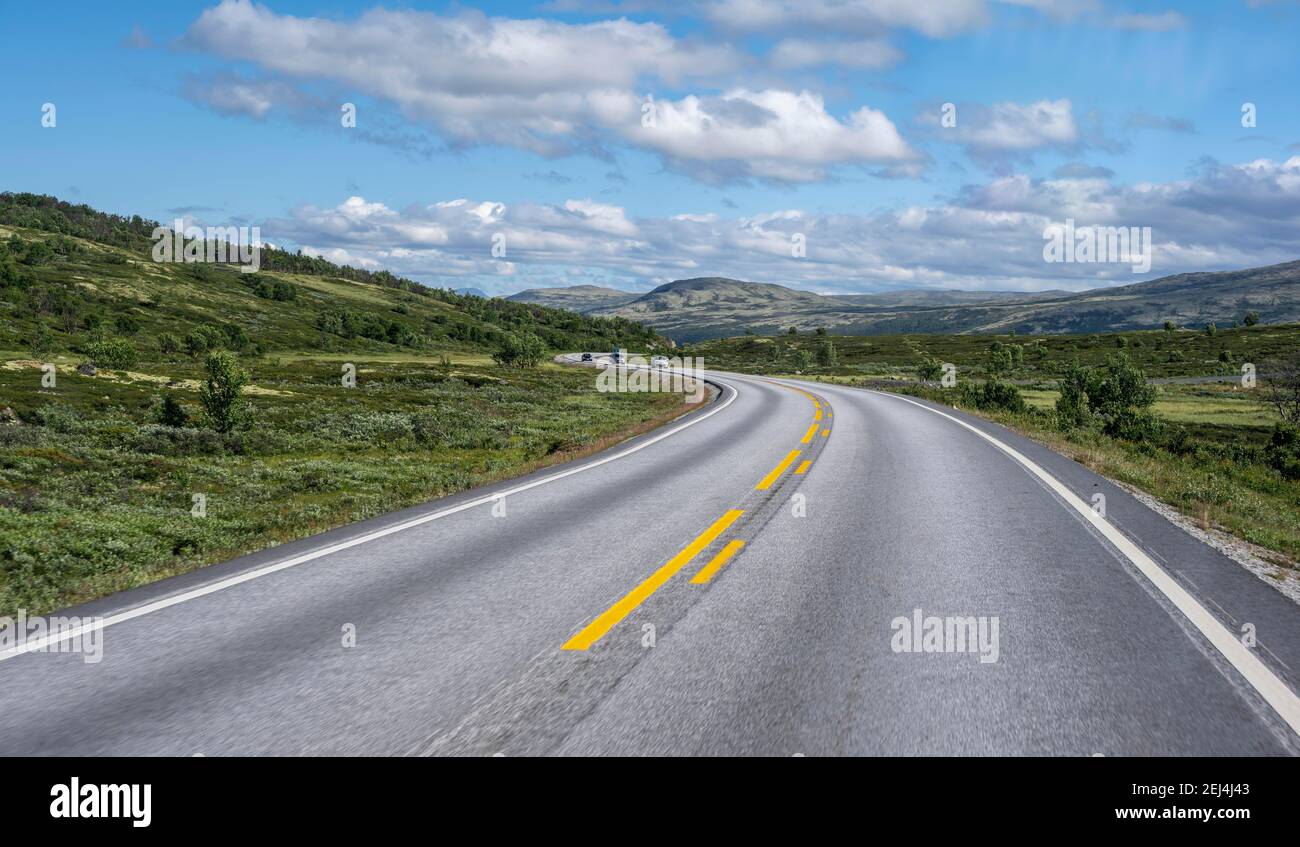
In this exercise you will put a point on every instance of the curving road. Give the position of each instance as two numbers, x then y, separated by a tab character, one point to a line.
705	590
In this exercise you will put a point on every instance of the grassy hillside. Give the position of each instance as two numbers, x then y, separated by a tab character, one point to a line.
99	471
81	274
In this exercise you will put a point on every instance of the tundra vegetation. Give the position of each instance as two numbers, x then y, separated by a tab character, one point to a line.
172	380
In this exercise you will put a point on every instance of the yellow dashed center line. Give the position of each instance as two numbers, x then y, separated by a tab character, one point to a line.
776	472
596	630
715	564
593	631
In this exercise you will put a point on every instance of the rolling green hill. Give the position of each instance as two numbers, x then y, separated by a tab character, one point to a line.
74	274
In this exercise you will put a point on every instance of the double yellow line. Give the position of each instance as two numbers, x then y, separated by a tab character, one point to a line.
775	474
595	630
592	632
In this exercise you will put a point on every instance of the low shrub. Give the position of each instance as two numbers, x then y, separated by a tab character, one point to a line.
112	353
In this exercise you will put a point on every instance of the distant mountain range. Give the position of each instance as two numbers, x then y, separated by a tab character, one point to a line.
576	298
712	307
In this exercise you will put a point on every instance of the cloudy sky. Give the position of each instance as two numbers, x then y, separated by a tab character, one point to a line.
902	143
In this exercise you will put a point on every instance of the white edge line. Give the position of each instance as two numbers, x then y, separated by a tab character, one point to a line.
193	594
1274	691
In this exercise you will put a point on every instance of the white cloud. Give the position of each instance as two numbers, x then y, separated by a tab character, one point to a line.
989	236
552	88
232	94
403	54
601	217
869	53
776	135
935	18
1009	129
535	84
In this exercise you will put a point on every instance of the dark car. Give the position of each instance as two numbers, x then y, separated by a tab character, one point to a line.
586	357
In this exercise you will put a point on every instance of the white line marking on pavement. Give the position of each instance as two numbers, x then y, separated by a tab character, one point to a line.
1274	691
157	605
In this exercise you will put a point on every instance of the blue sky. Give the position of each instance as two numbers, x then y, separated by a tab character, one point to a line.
817	119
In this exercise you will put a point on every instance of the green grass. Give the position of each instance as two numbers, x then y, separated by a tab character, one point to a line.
1217	405
95	497
456	357
1194	352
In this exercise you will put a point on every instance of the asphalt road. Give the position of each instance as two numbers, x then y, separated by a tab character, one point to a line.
570	615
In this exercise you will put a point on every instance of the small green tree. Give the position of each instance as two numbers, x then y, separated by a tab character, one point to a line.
1280	379
41	342
1283	450
203	340
930	370
38	253
1072	405
1119	395
802	360
1115	394
1211	329
993	394
521	350
112	353
220	393
126	324
172	413
1170	326
1251	318
827	356
1003	357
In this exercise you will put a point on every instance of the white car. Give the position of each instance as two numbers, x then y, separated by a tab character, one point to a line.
659	362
